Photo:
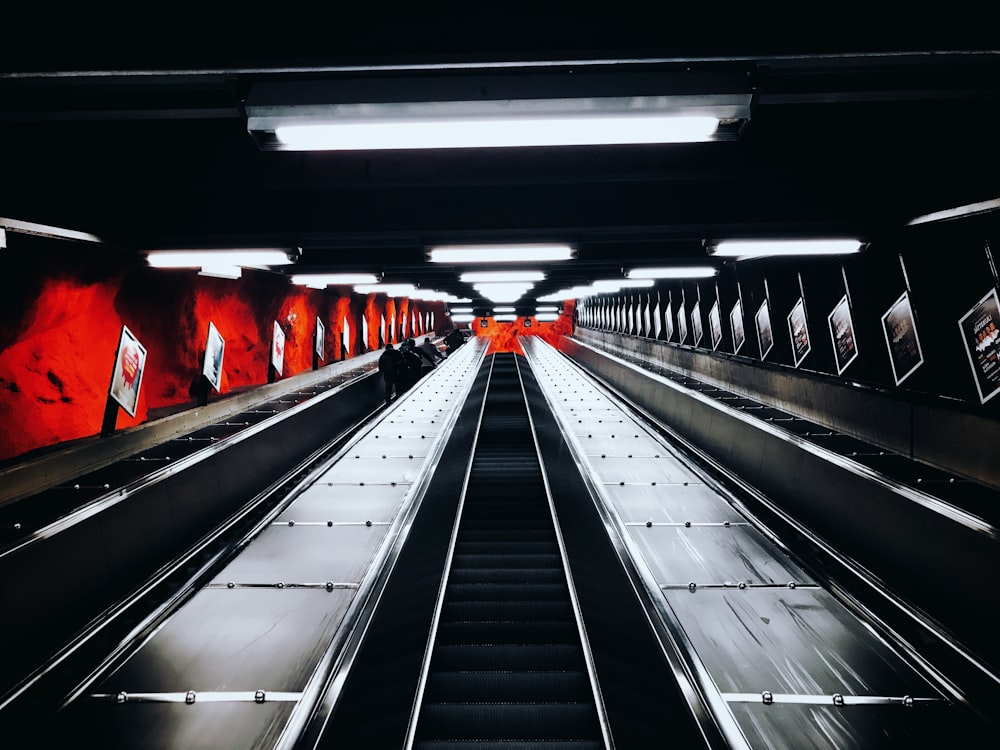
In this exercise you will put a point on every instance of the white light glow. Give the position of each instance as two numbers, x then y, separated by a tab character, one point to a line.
501	277
499	253
505	318
326	279
547	309
392	290
220	271
480	132
214	258
504	309
764	248
613	285
462	318
547	317
676	272
461	310
503	292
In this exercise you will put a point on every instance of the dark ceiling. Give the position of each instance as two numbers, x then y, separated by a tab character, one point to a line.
133	129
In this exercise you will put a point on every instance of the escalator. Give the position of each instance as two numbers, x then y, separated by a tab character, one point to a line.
508	664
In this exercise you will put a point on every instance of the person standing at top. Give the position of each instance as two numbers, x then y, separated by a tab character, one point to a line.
389	364
432	351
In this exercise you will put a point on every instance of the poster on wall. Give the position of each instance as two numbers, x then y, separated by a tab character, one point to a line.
764	335
320	338
364	332
736	320
657	319
696	331
130	364
982	343
845	346
214	346
799	331
715	325
345	339
682	326
668	321
277	348
900	332
649	323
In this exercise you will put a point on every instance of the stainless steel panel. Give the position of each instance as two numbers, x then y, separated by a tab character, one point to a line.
400	443
378	470
796	727
236	639
371	448
713	554
306	554
672	503
596	442
173	726
639	468
340	503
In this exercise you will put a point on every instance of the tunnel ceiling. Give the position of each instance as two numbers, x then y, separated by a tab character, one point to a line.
134	129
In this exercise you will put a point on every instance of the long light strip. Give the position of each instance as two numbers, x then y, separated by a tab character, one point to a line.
462	318
498	131
613	285
392	290
958	212
547	309
675	272
460	311
500	277
547	317
509	253
505	318
765	248
208	258
504	309
326	279
503	292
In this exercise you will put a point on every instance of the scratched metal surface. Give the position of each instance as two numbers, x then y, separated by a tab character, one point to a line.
248	639
797	641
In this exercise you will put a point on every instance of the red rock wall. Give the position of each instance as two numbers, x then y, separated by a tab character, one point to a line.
504	337
62	307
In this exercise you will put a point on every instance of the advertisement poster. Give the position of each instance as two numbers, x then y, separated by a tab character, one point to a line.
715	325
345	340
764	335
696	331
657	319
213	357
845	347
277	348
900	332
130	363
799	332
649	323
982	343
682	326
320	338
736	320
364	332
668	321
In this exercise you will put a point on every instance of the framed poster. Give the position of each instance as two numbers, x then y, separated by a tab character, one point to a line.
320	338
668	322
765	337
214	346
982	343
345	339
682	326
799	331
715	325
900	331
845	346
277	348
696	331
736	320
657	319
130	364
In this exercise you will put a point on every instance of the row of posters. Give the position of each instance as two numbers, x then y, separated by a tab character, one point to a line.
978	328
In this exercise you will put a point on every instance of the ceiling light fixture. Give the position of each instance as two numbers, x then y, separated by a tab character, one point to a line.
765	248
498	109
246	258
547	309
327	279
547	317
509	253
959	212
674	272
501	277
505	318
502	292
392	290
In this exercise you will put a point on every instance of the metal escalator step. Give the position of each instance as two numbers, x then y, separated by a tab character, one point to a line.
506	575
507	535
509	721
514	592
455	658
507	632
510	560
527	548
510	745
498	687
490	610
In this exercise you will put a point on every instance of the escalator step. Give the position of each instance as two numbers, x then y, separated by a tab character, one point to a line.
455	658
507	632
509	721
529	548
506	575
505	592
506	534
510	745
487	610
500	687
505	561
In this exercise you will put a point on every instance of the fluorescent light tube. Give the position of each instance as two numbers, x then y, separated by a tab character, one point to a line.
505	318
503	292
461	310
764	248
676	272
326	279
499	253
547	309
220	271
199	258
501	276
462	318
547	317
491	131
504	309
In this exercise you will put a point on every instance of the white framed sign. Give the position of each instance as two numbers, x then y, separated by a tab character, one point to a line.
320	339
736	320
277	348
798	329
765	337
130	364
845	345
900	331
715	325
214	348
980	329
696	331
